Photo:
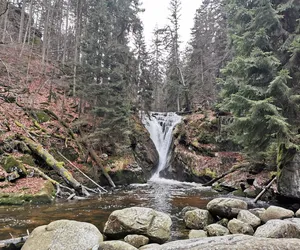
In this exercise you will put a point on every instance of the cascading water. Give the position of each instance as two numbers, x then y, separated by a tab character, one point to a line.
160	127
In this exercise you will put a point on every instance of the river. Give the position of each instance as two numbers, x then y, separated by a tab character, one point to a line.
163	195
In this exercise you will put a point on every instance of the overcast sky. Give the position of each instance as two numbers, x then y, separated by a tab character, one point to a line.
157	12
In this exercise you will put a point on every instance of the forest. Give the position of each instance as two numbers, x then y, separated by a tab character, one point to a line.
81	91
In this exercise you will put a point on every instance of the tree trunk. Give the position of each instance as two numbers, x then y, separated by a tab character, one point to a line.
66	34
22	22
54	164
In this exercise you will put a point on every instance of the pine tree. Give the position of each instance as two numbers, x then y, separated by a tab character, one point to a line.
256	87
109	66
207	53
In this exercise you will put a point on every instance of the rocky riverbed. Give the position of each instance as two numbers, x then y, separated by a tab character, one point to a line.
226	223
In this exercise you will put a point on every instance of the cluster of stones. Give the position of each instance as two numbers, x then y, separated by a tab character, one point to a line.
226	216
126	229
227	224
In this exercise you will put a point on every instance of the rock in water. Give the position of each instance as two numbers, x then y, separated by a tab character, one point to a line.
139	220
226	207
230	242
197	234
115	245
278	229
249	218
216	230
239	227
198	219
64	235
136	240
274	212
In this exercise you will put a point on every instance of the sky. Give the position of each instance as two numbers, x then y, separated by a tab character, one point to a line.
157	12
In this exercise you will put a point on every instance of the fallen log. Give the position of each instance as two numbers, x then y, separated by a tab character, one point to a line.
81	172
54	164
98	161
54	182
233	169
265	189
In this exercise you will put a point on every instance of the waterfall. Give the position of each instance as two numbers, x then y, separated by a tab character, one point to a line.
160	127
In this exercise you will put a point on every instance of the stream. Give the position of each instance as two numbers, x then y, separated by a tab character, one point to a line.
169	197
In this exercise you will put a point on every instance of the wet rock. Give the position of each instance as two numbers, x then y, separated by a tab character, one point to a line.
216	230
239	227
278	229
197	234
274	212
298	214
186	209
230	242
257	211
150	246
226	207
198	219
251	192
136	240
223	222
115	245
139	220
249	218
64	235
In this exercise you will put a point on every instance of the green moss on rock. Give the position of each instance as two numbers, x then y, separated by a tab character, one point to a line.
42	116
11	164
44	196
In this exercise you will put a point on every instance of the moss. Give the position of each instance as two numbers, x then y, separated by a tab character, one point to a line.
44	196
42	116
206	138
27	159
10	164
239	193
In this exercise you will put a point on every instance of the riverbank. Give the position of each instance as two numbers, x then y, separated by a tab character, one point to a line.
227	222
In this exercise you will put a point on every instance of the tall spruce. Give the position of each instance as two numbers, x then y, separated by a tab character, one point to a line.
207	53
257	82
109	66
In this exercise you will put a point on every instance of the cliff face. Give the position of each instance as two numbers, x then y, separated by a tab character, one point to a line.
197	154
201	152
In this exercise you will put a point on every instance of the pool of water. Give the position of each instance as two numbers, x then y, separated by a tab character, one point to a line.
165	196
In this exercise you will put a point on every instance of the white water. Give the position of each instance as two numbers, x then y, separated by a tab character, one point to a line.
160	127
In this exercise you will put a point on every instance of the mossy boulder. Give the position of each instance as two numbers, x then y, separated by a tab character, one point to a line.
42	116
11	164
24	194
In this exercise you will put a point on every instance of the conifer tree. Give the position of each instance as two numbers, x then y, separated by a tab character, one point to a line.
256	87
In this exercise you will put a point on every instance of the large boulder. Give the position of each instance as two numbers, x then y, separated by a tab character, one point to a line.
278	229
226	207
136	240
198	219
115	245
216	230
248	217
139	220
197	234
64	235
239	227
230	242
274	212
288	181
